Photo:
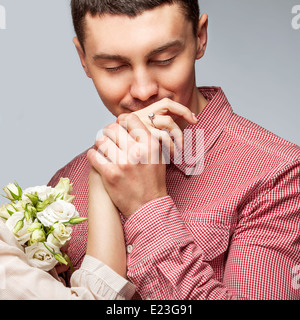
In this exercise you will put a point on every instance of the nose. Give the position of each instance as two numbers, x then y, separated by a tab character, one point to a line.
144	86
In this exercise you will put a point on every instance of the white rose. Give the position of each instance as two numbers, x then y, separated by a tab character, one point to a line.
22	235
59	210
4	210
60	235
43	192
39	256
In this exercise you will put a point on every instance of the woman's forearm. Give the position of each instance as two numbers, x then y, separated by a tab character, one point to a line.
105	234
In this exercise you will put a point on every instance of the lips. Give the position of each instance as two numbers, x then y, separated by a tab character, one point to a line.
134	108
139	105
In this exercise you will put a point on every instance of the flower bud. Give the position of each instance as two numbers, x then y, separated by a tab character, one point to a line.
76	220
27	215
13	191
60	258
35	226
64	186
31	209
19	225
38	235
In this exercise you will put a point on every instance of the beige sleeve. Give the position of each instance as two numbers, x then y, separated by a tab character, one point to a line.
20	281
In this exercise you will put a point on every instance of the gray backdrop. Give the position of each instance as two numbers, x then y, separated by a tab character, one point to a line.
50	111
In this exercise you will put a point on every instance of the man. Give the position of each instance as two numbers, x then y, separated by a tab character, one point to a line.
222	226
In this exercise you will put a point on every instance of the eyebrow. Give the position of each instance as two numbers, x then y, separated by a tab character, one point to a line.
105	56
171	44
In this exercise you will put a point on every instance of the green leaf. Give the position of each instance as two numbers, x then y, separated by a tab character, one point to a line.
10	212
15	197
20	191
33	198
42	205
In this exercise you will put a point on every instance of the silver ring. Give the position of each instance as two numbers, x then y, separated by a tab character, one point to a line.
151	116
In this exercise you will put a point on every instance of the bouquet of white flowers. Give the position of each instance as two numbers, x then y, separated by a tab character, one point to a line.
40	219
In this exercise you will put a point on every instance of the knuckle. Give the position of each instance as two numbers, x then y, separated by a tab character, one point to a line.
124	167
169	120
122	117
113	175
109	127
132	116
100	141
111	131
166	100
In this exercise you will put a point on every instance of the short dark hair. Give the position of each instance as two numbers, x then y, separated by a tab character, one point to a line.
130	8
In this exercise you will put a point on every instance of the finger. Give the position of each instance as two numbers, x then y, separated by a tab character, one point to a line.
110	150
134	125
147	144
168	146
168	124
97	160
60	268
117	133
167	106
102	165
179	110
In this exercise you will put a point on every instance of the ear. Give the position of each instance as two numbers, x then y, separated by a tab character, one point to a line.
202	36
82	56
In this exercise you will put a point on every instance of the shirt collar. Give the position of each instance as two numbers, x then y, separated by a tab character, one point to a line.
200	138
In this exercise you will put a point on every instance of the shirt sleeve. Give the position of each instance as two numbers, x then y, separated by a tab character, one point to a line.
166	263
19	281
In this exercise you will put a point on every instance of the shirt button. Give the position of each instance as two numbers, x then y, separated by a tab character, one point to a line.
129	248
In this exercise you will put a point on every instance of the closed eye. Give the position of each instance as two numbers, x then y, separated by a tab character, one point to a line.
115	69
163	62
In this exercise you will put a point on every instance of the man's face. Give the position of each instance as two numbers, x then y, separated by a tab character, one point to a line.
135	62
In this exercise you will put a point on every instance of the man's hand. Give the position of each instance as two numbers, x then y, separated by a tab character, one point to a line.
166	130
124	162
129	156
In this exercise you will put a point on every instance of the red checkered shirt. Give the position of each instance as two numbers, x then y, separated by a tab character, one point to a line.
229	232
